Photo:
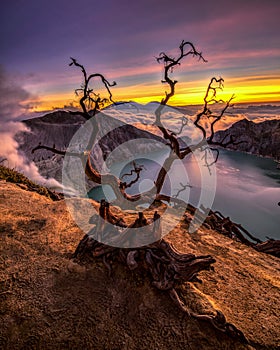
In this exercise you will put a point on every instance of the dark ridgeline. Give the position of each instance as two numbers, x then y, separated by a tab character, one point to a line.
257	138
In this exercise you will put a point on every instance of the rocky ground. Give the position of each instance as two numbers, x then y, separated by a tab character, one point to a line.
49	301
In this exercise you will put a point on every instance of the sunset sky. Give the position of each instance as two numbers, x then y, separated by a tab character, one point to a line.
121	38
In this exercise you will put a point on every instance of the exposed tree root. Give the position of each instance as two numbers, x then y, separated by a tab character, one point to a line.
271	246
166	267
235	231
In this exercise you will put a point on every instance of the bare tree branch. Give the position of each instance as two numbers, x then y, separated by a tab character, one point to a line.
182	189
88	95
137	170
184	122
186	48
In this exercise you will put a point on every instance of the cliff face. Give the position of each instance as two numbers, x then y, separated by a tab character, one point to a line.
58	128
52	129
47	301
258	138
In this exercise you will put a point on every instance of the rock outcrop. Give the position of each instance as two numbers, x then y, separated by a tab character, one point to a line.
257	138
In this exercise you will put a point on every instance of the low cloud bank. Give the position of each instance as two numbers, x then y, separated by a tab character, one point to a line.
12	108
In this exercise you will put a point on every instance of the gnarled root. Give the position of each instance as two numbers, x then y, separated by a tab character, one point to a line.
236	231
218	321
271	246
166	266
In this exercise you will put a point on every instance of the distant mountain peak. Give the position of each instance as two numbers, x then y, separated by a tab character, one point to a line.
244	120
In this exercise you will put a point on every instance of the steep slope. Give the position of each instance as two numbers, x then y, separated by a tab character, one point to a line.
50	302
258	138
58	128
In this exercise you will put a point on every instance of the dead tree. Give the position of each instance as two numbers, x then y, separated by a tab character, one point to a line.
118	185
166	266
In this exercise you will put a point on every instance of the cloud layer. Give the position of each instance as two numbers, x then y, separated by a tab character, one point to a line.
12	99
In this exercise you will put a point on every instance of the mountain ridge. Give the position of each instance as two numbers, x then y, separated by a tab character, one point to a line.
58	128
261	139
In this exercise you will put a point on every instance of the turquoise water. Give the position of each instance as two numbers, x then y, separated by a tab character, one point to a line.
249	192
248	187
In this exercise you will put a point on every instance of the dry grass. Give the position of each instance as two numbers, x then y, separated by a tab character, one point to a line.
13	176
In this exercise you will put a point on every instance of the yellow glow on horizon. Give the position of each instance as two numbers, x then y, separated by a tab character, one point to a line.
247	89
257	89
54	101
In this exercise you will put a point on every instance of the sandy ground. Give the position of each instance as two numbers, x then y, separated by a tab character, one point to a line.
47	301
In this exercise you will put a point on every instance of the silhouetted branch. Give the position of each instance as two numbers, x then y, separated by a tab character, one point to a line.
169	64
51	149
185	49
210	98
137	170
184	122
205	157
184	187
88	95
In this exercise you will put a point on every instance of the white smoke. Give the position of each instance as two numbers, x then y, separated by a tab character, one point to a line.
13	103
